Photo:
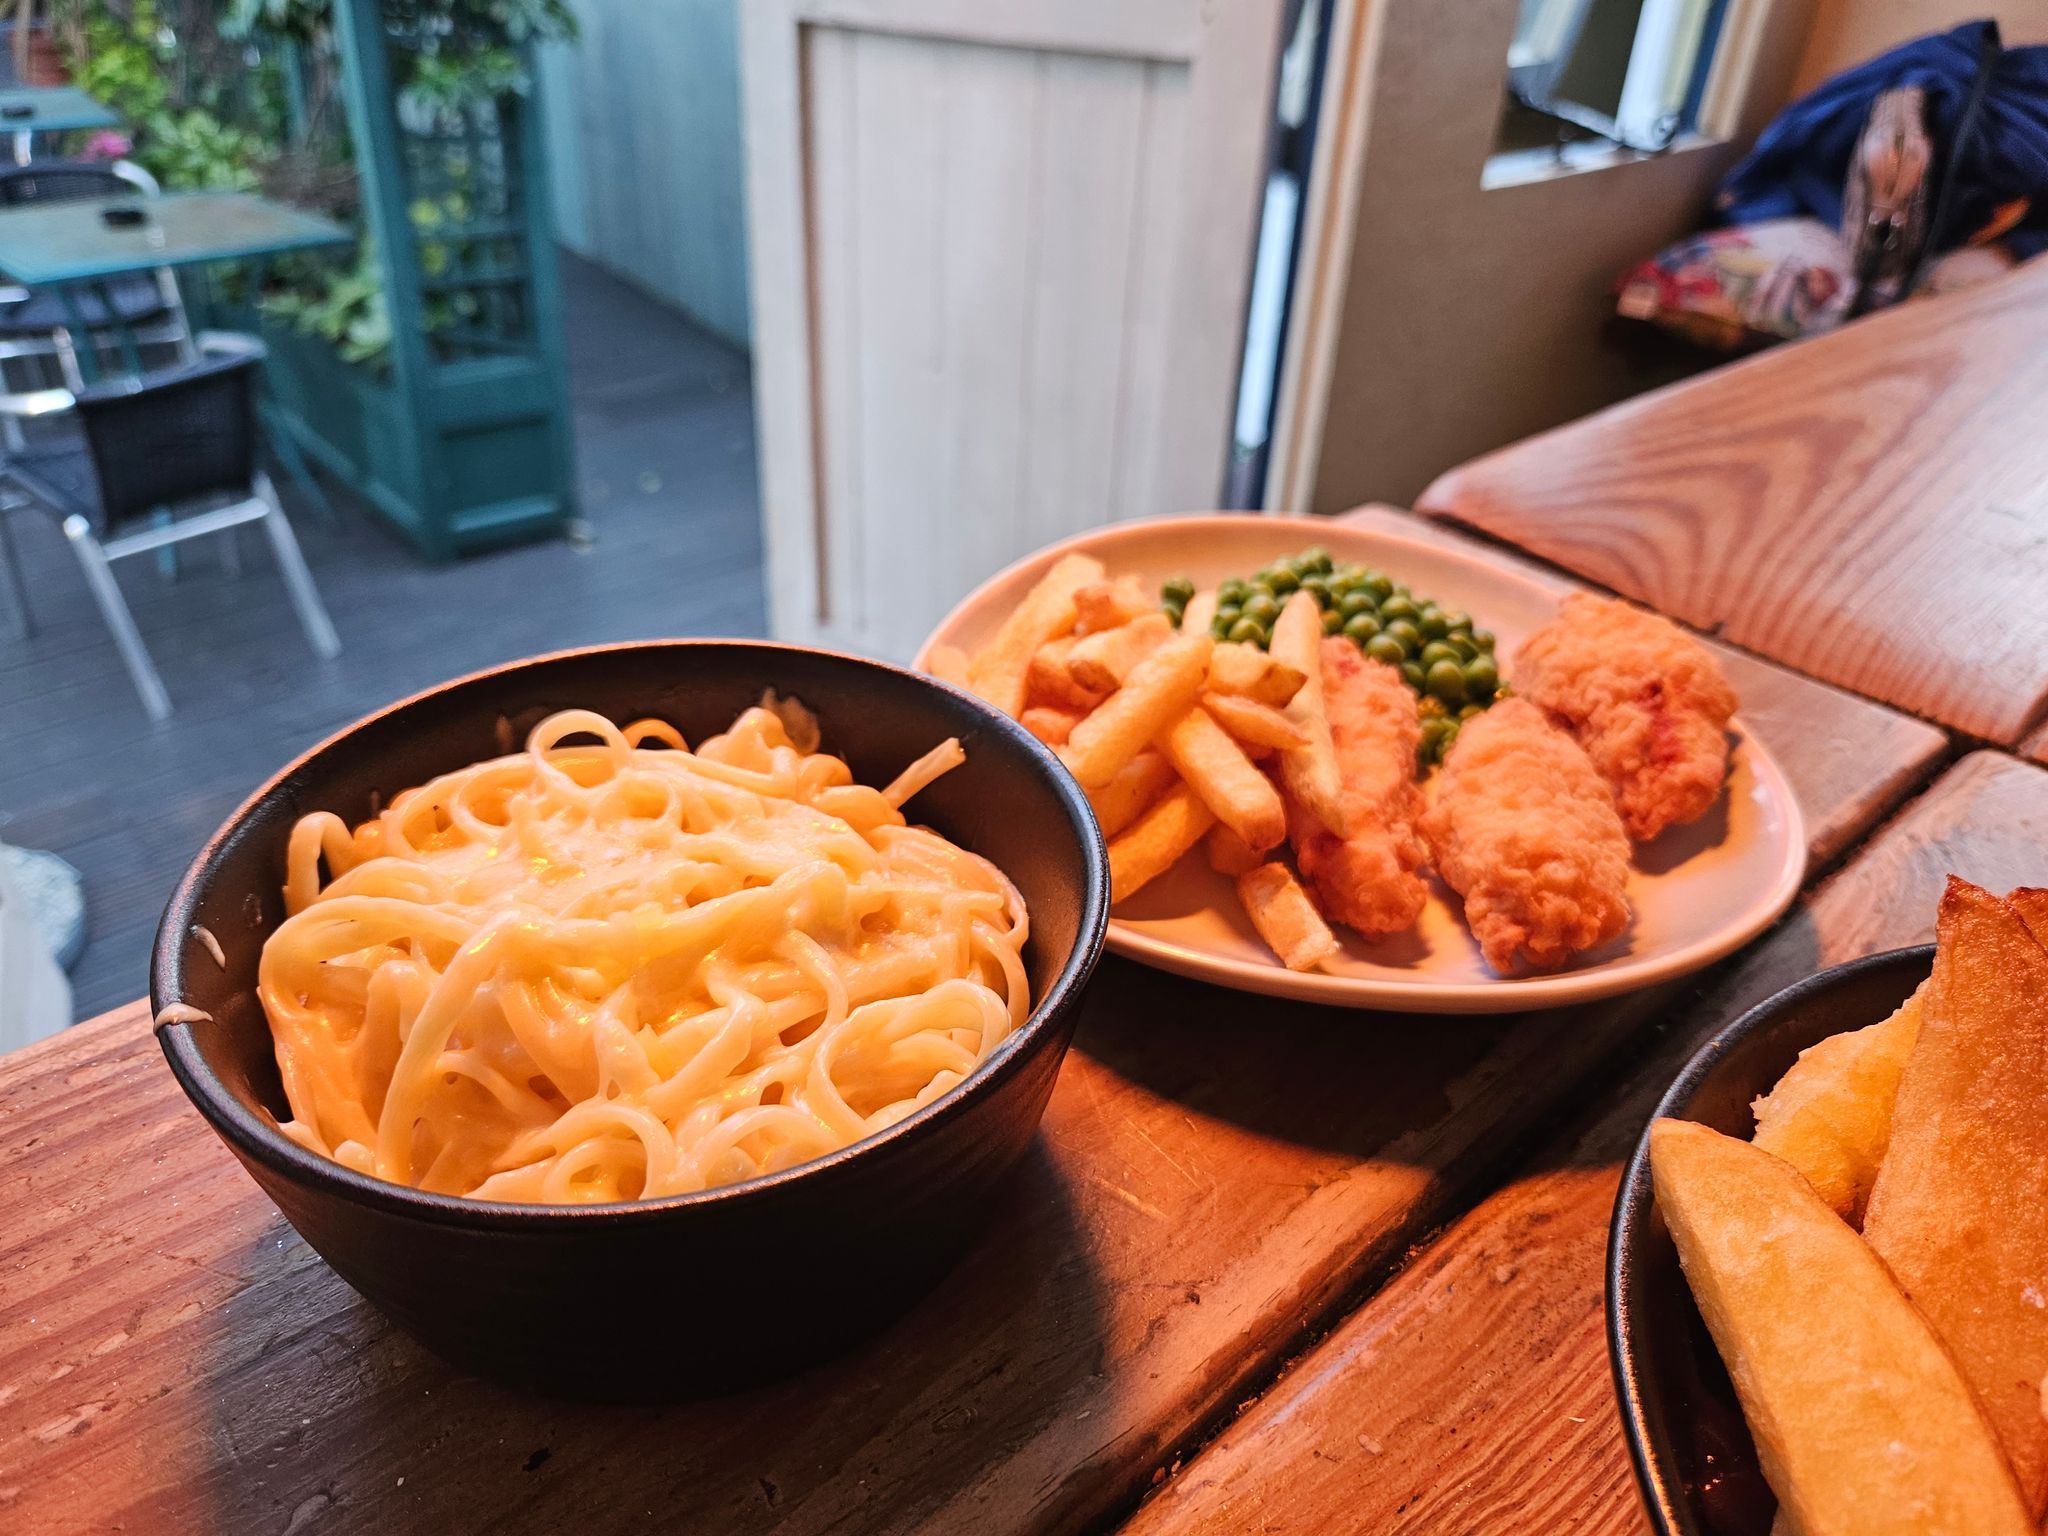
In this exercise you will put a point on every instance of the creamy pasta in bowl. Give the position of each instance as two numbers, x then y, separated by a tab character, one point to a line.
726	962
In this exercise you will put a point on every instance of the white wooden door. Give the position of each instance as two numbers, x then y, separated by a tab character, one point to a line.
1000	254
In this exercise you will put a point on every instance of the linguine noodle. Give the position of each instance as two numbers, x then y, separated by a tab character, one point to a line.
619	969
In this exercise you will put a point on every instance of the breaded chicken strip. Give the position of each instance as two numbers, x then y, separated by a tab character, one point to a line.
1525	830
1646	701
1367	881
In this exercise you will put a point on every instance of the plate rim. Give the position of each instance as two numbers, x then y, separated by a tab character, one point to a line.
1503	994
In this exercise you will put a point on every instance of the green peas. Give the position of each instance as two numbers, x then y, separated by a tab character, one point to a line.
1384	647
1411	672
1175	612
1219	627
1262	606
1179	590
1470	710
1482	677
1463	645
1403	630
1429	708
1398	606
1446	680
1318	587
1248	631
1233	591
1438	650
1354	603
1315	558
1229	613
1483	638
1435	732
1333	621
1432	623
1354	575
1460	623
1361	627
1380	586
1282	580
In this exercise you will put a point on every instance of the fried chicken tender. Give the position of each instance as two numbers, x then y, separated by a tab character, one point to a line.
1646	701
1525	830
1367	881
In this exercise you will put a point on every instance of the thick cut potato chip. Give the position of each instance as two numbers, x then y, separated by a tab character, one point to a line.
1285	917
1862	1422
1830	1116
1049	723
1230	854
1310	772
1133	790
1199	614
1237	668
1253	723
1046	613
1111	604
1154	843
1960	1209
1157	693
1243	798
1103	660
1050	680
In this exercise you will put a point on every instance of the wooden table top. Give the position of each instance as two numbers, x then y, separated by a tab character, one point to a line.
173	1357
1472	1393
1865	507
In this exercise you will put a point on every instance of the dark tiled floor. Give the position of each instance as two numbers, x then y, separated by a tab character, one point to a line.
665	455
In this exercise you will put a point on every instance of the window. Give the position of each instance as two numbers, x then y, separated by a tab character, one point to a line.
1630	71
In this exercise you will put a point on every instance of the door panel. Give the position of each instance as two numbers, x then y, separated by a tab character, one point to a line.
1000	262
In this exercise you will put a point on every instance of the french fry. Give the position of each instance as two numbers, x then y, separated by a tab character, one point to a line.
1245	669
1285	917
1049	723
1956	1213
1310	772
1830	1115
1131	791
1047	611
1230	854
1155	842
1253	723
1111	604
1200	611
1049	679
1158	691
1102	660
1243	798
948	663
1862	1421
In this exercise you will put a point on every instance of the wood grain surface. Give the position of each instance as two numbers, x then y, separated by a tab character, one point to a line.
173	1357
1472	1393
1865	507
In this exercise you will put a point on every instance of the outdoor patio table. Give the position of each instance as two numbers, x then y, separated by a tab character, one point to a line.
1219	1181
62	244
27	110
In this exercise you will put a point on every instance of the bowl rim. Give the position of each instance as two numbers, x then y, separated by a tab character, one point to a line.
1634	1199
250	1136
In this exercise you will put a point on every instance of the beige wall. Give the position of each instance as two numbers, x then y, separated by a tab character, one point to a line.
1846	32
1468	317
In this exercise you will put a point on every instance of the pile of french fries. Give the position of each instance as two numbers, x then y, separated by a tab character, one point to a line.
1166	729
1874	1265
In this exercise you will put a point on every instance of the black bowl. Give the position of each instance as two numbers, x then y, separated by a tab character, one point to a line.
756	1277
1695	1462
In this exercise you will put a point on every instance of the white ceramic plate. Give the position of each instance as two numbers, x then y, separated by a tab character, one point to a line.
1698	891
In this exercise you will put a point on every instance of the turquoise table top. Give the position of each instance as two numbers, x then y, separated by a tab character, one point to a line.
51	109
68	242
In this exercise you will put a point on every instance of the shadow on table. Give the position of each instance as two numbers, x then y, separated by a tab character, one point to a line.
324	1417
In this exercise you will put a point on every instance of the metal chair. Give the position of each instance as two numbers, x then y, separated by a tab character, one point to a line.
180	442
146	306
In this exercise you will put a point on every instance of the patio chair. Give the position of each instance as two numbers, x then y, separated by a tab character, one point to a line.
180	445
39	324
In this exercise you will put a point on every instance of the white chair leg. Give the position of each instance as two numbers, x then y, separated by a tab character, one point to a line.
231	551
297	579
17	591
114	609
